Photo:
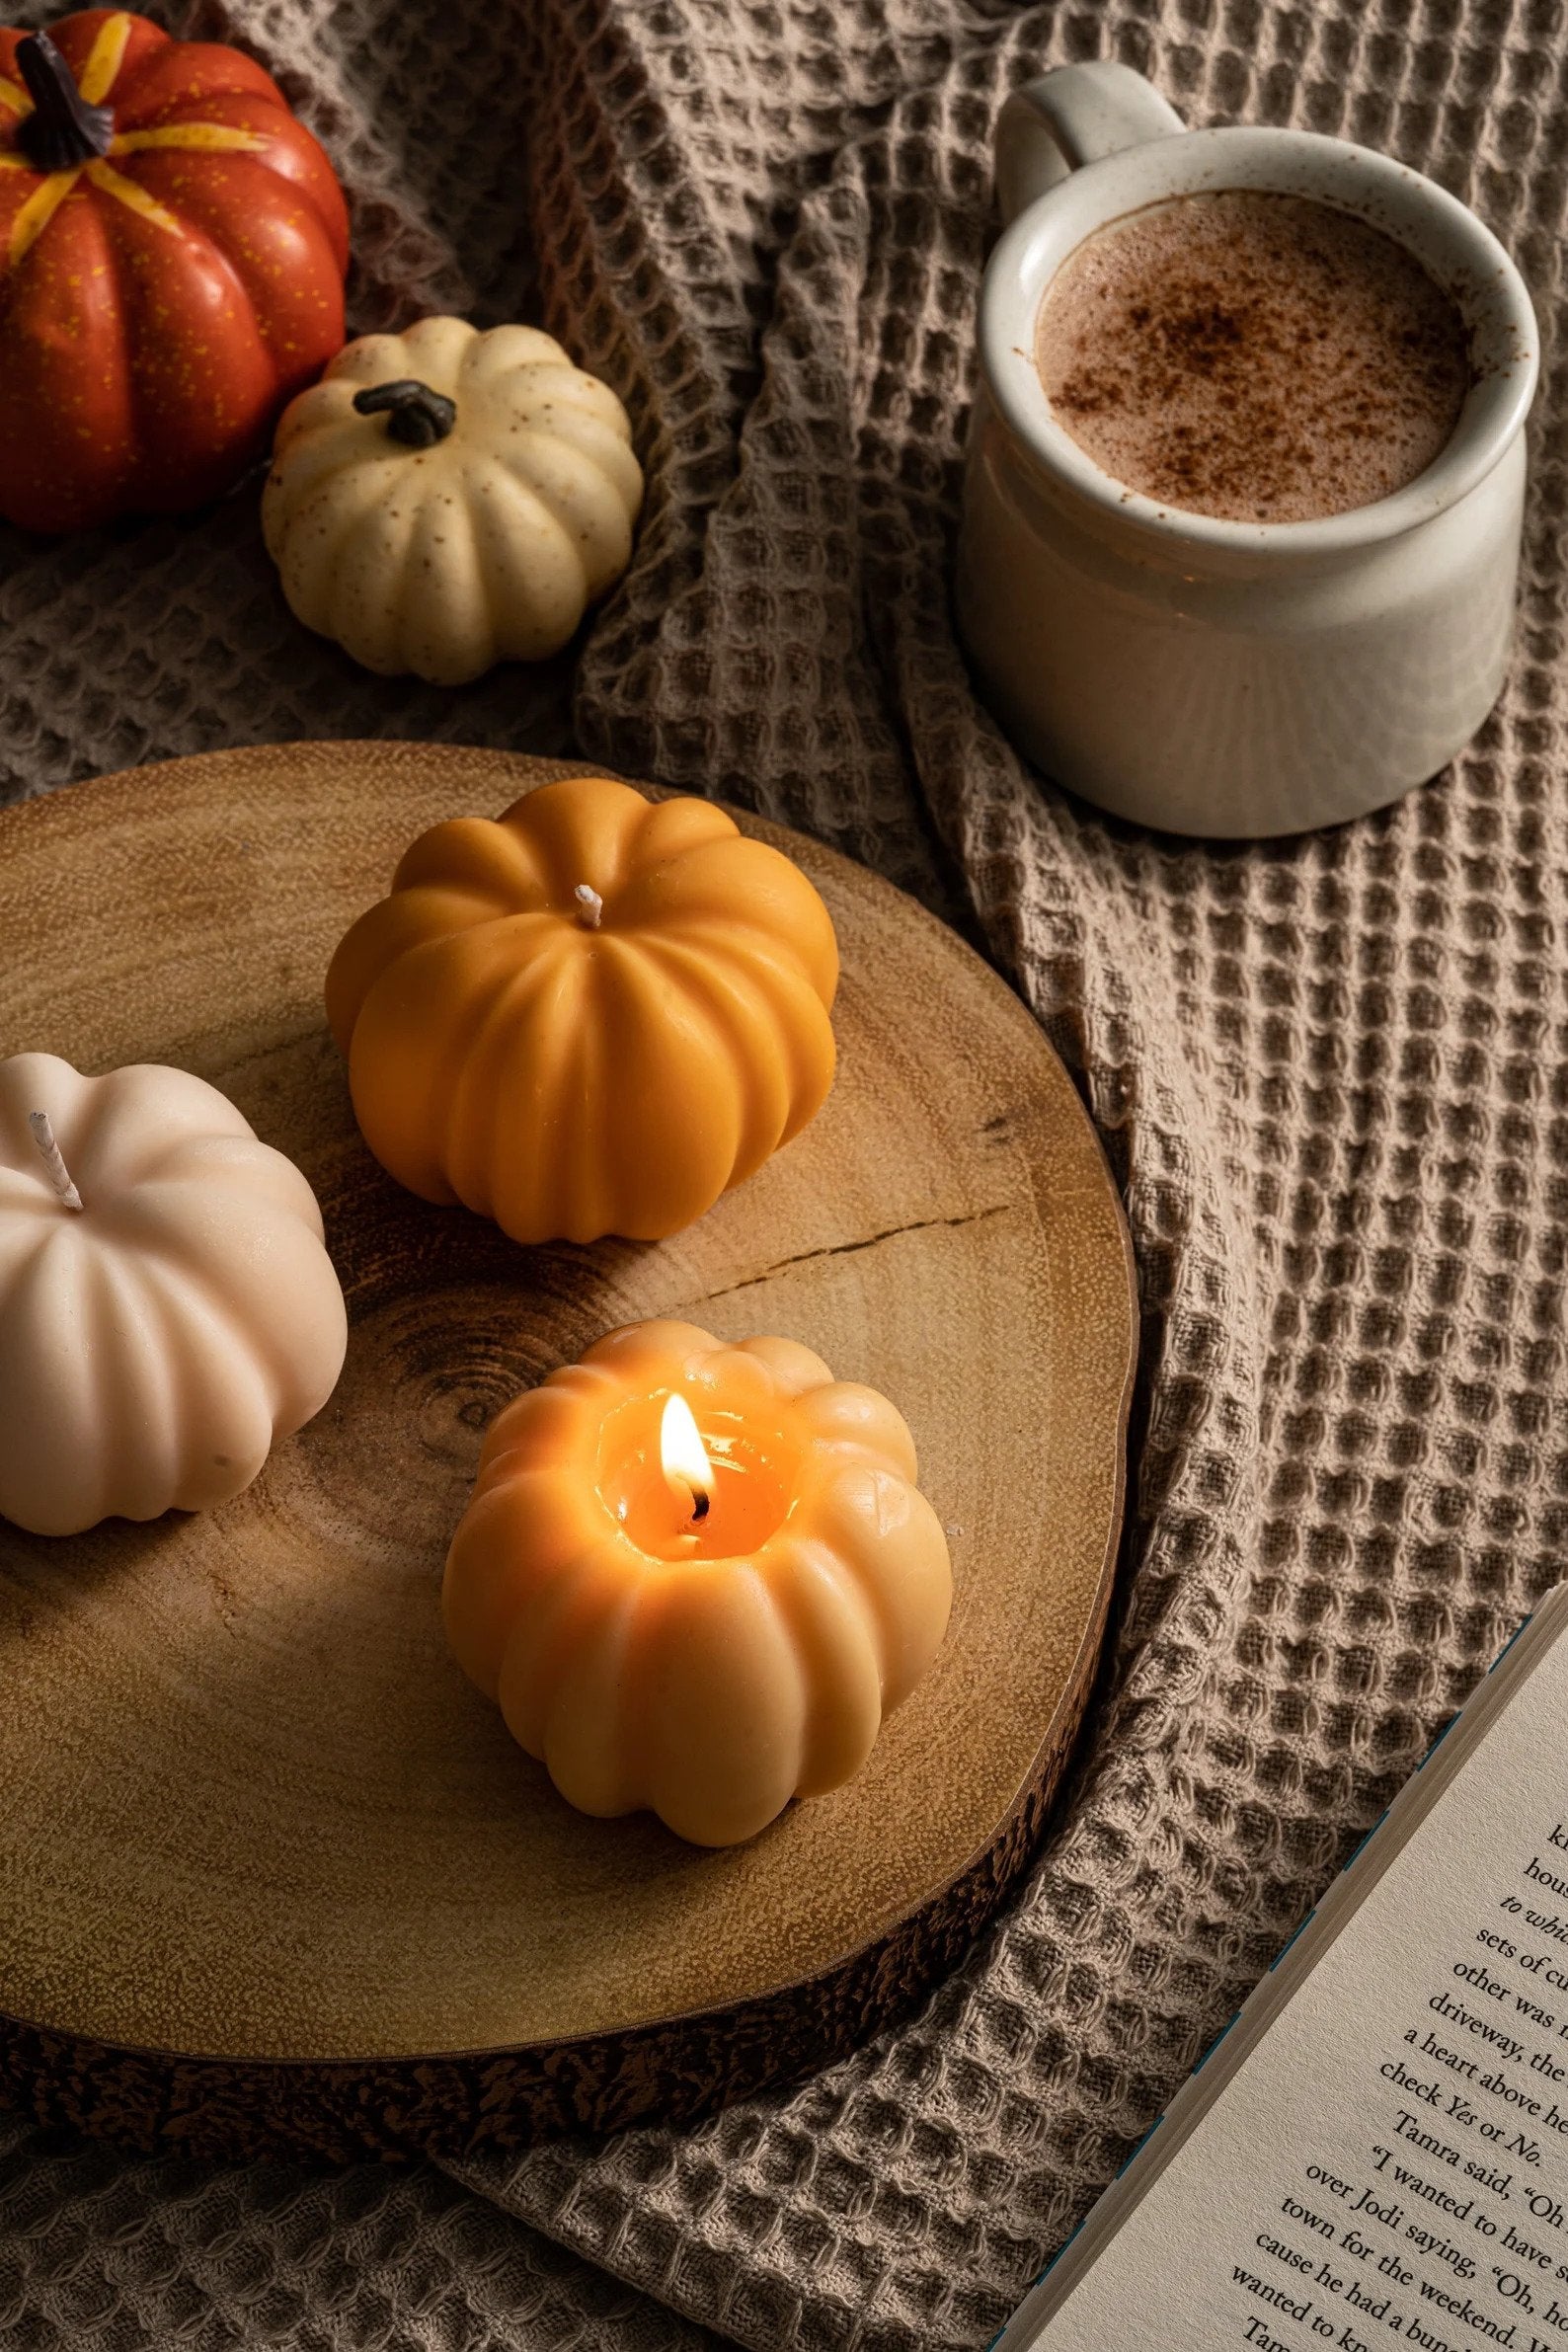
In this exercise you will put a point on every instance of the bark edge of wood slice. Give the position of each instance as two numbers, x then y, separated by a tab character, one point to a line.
274	1878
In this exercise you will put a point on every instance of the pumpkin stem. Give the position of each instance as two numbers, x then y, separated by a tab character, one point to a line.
59	1175
62	131
415	414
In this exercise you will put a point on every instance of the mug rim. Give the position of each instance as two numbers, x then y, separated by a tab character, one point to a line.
1480	277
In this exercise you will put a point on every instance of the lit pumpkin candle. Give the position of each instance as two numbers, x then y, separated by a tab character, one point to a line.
591	1015
167	1309
697	1577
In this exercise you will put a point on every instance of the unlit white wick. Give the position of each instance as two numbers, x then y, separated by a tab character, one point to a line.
590	907
59	1175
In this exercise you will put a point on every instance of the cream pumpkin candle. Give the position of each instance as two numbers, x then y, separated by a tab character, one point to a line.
697	1577
167	1309
590	1016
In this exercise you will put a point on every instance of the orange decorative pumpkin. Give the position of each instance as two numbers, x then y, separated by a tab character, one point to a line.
172	254
592	1016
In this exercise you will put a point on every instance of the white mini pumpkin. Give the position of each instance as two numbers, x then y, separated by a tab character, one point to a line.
164	1324
443	500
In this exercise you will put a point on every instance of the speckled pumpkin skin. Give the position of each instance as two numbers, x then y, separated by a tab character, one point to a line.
487	546
157	308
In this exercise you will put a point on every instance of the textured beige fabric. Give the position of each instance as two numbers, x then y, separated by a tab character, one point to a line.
1332	1075
97	2254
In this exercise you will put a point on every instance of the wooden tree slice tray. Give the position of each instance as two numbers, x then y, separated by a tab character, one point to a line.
272	1875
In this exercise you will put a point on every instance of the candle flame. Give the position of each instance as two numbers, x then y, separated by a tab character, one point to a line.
682	1456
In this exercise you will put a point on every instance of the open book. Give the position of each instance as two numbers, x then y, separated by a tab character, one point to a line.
1376	2151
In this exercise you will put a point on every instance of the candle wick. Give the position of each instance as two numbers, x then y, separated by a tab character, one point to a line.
700	1503
57	1172
590	907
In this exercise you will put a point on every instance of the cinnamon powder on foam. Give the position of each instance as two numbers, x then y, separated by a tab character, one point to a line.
1259	358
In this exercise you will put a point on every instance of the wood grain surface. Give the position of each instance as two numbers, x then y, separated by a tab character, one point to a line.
271	1872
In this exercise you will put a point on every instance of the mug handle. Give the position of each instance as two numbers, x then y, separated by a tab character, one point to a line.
1074	115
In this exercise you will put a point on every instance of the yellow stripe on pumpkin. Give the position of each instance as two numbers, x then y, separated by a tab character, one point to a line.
104	59
14	99
197	139
116	184
37	213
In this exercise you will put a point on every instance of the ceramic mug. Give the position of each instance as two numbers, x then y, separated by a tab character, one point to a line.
1207	676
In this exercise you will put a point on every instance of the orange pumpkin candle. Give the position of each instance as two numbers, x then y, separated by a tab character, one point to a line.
697	1577
590	1016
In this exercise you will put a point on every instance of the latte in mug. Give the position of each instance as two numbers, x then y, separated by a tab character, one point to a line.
1252	357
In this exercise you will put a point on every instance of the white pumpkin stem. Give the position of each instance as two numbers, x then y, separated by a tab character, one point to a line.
415	416
590	907
59	1175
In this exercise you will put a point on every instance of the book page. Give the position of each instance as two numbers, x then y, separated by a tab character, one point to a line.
1389	2165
